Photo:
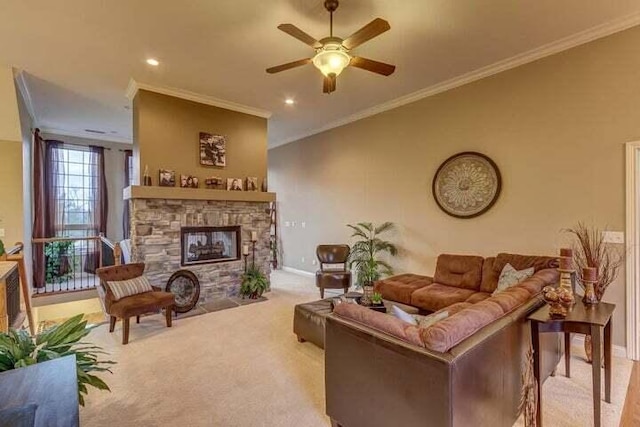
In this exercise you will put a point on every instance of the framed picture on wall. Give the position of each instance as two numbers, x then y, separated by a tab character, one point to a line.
234	184
213	150
167	178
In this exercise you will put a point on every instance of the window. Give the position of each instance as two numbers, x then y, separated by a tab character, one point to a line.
129	166
75	173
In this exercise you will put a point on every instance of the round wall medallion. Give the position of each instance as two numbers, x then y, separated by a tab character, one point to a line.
466	184
186	287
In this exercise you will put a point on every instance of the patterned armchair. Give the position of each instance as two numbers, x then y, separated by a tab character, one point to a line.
134	305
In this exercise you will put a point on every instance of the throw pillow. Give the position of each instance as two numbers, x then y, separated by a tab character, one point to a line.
403	315
509	276
126	288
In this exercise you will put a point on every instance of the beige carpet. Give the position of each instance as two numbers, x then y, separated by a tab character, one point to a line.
244	367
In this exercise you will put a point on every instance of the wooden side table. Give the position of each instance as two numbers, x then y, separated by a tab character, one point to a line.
583	319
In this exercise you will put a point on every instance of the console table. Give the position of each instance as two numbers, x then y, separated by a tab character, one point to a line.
583	319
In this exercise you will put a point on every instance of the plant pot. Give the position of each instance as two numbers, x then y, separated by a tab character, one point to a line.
367	293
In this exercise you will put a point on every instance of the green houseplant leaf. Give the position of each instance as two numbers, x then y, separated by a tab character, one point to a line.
254	283
364	258
18	350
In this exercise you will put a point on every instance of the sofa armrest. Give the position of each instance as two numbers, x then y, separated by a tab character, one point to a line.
367	369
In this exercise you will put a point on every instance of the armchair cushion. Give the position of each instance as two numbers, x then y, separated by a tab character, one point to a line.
141	303
125	288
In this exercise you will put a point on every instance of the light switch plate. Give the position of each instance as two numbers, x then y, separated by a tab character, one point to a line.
287	223
616	237
1	232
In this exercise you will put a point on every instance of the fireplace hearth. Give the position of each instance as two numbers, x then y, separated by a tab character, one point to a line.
206	245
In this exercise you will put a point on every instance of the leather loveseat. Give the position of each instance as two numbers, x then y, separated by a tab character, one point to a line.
464	370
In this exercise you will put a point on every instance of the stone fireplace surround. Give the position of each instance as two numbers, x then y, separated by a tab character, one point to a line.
156	240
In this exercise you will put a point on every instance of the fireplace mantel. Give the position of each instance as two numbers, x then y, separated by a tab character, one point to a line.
177	193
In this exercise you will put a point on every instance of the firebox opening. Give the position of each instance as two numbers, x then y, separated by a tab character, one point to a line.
204	245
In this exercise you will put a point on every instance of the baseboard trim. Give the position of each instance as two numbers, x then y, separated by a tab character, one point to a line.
298	272
618	350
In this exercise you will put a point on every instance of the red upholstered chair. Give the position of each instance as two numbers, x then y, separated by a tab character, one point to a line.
337	276
134	305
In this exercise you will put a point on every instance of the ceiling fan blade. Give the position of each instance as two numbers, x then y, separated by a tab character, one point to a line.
373	66
296	32
366	33
288	66
329	83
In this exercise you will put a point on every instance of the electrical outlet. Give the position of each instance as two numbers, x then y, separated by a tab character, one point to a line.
314	262
293	223
303	260
303	224
287	223
616	237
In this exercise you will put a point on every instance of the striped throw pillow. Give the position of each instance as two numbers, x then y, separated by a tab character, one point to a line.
126	288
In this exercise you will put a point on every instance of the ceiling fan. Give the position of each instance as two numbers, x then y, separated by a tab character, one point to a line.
333	53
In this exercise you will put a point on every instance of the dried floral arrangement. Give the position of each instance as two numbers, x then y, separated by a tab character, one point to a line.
590	250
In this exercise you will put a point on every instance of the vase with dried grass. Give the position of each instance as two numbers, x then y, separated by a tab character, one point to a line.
598	264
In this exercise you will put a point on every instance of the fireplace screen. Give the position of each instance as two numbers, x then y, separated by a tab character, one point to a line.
202	245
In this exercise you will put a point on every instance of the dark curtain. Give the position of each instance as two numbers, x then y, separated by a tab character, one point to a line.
100	206
38	231
54	216
126	220
46	219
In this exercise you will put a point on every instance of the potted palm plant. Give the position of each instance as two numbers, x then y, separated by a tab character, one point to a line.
365	257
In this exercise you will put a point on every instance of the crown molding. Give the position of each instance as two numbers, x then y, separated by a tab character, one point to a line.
549	49
85	135
134	86
21	83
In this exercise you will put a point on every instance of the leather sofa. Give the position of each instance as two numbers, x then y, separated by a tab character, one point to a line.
464	370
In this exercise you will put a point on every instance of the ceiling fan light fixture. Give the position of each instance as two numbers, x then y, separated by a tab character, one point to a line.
331	59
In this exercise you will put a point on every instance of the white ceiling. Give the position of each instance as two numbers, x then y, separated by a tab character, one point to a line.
79	55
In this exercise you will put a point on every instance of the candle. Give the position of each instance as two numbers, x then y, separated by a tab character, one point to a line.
590	274
254	236
566	252
245	250
566	263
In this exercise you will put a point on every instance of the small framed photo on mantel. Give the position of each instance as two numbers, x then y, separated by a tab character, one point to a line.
167	178
213	150
234	184
252	183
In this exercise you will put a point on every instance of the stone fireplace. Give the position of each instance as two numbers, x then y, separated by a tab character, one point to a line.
174	229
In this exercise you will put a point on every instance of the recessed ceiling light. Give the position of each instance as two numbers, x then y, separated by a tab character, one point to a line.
289	101
153	62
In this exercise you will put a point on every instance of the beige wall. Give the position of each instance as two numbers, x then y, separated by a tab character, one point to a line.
11	207
166	135
114	171
556	129
9	120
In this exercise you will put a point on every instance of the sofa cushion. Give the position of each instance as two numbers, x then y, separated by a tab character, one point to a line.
436	296
492	267
382	322
511	298
452	330
477	297
460	271
399	288
539	280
